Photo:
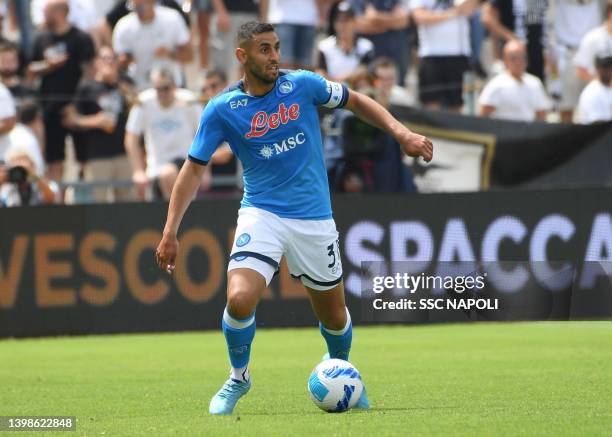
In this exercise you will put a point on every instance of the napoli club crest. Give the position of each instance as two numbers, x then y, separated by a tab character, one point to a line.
285	87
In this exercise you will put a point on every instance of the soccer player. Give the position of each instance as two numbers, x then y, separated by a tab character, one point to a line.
270	120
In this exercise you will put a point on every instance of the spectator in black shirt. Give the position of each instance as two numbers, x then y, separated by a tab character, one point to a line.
100	114
60	55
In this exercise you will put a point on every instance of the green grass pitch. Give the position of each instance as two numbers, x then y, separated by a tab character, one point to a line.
473	379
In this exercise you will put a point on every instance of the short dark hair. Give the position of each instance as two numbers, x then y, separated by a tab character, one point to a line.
608	8
381	62
248	30
163	73
27	111
217	72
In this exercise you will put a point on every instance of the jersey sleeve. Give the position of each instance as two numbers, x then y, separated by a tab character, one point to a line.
326	93
208	137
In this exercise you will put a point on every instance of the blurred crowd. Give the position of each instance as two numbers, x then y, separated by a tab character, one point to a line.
116	87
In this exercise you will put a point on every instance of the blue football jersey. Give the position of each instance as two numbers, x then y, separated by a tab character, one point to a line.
277	138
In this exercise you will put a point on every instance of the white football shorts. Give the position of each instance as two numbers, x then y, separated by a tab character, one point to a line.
309	246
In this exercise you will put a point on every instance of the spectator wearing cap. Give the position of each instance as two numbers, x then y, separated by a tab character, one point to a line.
343	52
598	40
595	103
514	94
444	50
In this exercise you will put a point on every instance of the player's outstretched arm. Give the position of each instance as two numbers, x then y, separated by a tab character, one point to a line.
183	192
374	113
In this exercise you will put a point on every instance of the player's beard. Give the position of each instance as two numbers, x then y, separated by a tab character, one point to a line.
262	74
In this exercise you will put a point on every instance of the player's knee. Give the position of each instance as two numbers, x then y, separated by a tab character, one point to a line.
336	320
240	302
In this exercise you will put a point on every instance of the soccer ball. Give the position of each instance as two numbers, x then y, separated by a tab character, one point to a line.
335	385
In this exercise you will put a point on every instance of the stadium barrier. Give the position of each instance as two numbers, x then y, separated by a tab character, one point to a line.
474	153
90	268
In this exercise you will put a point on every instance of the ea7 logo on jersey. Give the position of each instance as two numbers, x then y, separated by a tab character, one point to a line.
269	150
262	122
235	104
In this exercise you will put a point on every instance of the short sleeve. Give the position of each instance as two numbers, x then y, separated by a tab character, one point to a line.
326	93
543	102
489	95
135	120
585	55
87	49
182	31
120	45
37	49
208	137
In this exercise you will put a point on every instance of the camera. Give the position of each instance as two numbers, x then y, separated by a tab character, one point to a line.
17	174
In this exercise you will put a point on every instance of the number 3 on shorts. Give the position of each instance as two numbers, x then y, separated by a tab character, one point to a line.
332	253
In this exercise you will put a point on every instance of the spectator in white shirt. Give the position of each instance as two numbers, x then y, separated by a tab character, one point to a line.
572	20
595	104
168	117
596	41
8	118
342	53
152	36
514	94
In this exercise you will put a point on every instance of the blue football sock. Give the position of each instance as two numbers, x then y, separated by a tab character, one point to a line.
239	335
339	342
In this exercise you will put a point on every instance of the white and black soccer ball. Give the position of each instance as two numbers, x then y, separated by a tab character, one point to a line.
335	385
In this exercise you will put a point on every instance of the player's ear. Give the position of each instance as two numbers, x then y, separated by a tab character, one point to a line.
241	55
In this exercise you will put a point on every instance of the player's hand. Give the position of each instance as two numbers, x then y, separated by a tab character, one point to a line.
165	255
416	145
